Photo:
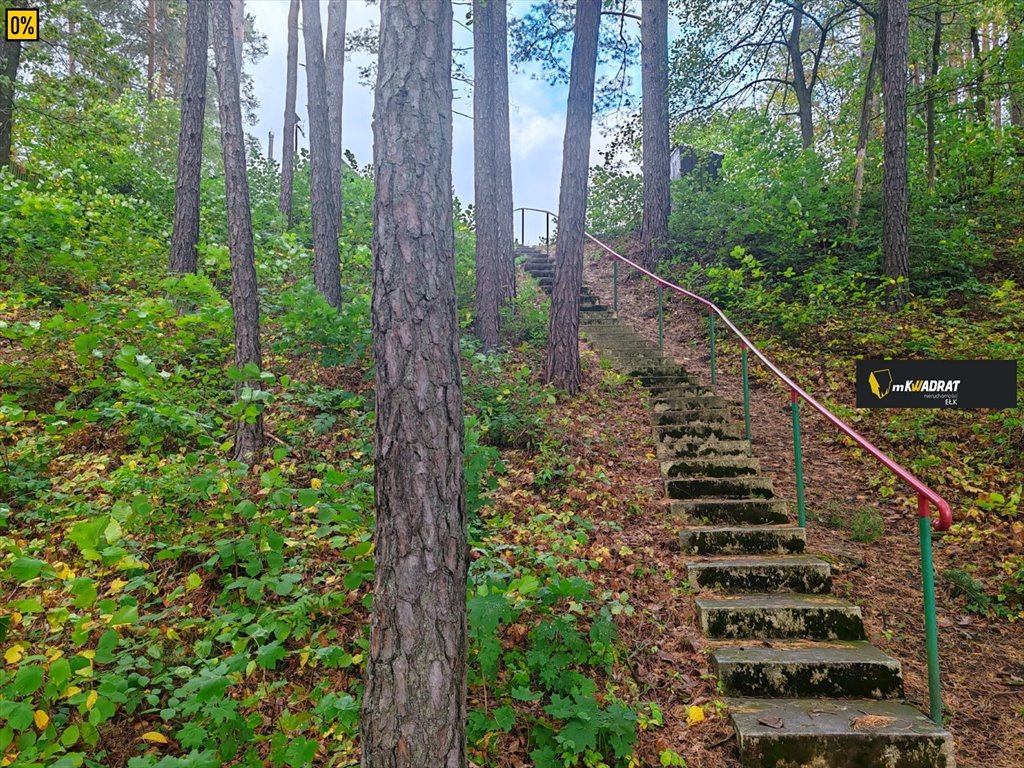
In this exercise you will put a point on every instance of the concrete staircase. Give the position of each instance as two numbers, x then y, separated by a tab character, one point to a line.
804	687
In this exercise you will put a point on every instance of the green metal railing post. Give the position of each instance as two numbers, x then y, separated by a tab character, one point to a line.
798	460
615	286
931	631
547	234
522	227
711	333
661	318
746	392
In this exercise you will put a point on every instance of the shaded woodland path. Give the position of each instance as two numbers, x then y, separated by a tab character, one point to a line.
981	657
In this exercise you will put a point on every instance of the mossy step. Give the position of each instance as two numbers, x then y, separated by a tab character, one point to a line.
762	573
718	466
674	448
678	391
815	617
692	429
662	404
744	487
743	540
855	733
668	418
803	669
733	511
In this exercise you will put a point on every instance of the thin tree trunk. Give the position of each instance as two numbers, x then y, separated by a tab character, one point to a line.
506	257
1015	61
238	32
244	296
185	237
10	58
894	229
72	64
980	107
563	362
323	184
863	137
485	199
334	60
161	65
656	163
414	705
151	50
290	116
800	87
992	37
933	71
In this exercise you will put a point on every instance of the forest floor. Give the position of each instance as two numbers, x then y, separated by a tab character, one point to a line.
982	657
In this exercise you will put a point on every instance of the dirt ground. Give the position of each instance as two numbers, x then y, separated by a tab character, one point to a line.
982	659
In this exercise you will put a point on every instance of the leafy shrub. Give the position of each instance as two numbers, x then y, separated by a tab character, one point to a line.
867	525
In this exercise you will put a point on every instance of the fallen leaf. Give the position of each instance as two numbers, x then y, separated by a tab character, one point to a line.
157	738
694	715
41	719
771	721
870	721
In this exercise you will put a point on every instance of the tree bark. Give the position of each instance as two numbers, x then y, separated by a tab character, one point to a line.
290	116
10	58
489	243
980	107
238	32
800	87
933	71
244	296
414	705
503	157
162	34
323	184
863	136
334	60
185	237
656	163
894	94
563	361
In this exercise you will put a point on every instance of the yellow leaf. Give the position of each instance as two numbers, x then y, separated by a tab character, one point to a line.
13	654
117	585
63	571
9	758
41	719
155	737
316	483
89	654
91	699
694	715
71	691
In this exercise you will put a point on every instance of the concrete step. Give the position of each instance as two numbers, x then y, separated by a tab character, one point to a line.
743	487
663	404
761	573
679	391
674	447
743	540
668	418
857	733
733	511
806	669
728	430
718	466
815	617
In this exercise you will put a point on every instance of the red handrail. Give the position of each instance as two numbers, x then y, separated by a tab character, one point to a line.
945	518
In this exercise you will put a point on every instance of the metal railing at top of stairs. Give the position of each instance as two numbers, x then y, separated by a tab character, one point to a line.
926	497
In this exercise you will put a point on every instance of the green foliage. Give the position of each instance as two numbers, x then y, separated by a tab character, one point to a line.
508	401
614	202
867	525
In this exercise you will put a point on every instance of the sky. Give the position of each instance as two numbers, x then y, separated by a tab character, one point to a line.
536	110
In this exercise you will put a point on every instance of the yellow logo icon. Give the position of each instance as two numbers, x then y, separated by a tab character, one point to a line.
880	382
21	24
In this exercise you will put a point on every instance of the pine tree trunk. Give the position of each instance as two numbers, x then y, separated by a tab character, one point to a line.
414	705
656	168
489	245
151	50
323	184
244	296
929	106
161	65
800	87
10	58
185	237
334	60
563	363
503	156
894	94
238	32
290	116
863	136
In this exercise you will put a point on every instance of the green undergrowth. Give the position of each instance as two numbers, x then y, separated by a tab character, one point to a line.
166	606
